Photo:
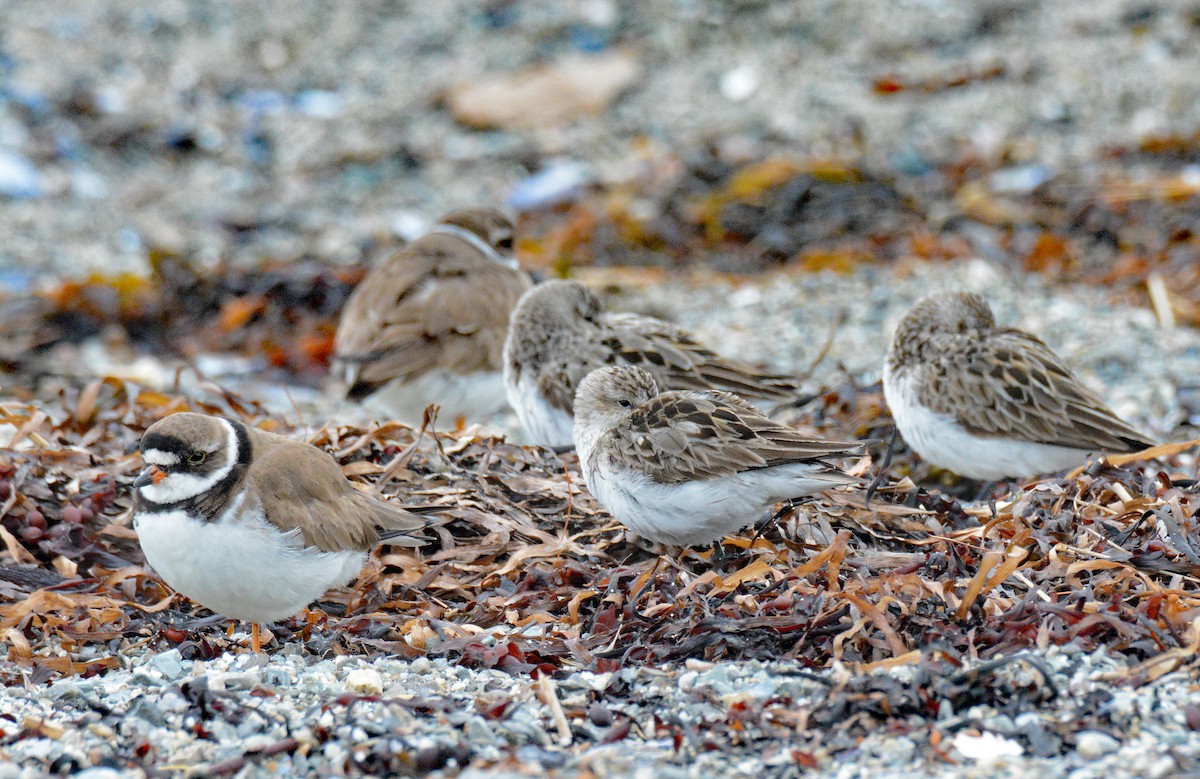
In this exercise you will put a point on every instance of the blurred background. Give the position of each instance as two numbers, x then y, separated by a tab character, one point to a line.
190	189
214	177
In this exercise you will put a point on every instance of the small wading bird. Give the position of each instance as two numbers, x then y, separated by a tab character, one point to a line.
559	334
990	402
428	325
688	468
252	525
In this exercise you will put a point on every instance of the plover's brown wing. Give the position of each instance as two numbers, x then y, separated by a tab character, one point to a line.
1012	385
302	487
439	303
685	436
679	361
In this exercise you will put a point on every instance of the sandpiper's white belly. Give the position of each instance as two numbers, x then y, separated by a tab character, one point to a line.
241	566
543	424
474	397
942	441
703	511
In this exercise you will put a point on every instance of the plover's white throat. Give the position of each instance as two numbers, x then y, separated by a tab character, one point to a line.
559	334
687	468
249	524
989	402
428	325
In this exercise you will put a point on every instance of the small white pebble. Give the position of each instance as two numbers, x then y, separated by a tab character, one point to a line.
364	681
1093	744
986	747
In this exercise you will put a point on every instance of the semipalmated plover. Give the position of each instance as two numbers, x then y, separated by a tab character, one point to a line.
252	525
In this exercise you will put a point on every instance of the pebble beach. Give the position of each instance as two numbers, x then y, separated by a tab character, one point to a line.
289	135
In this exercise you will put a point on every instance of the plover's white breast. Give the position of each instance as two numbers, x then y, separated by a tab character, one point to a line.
241	566
942	441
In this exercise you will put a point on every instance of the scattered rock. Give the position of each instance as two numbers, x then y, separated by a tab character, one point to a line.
556	183
1093	744
986	747
145	708
364	681
169	664
740	83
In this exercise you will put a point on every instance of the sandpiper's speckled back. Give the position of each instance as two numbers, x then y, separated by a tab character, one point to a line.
991	402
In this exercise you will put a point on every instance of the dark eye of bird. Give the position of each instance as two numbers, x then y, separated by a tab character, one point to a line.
624	403
505	243
195	458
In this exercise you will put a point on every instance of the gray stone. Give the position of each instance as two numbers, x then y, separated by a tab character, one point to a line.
146	709
169	664
63	689
479	732
143	677
716	679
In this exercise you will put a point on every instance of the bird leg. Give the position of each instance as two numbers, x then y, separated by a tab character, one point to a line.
883	467
790	505
988	492
255	638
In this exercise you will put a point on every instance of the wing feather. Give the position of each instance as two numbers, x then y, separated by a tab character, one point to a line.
679	361
439	303
1018	387
302	488
685	436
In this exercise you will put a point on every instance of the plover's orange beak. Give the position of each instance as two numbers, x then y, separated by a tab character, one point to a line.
151	475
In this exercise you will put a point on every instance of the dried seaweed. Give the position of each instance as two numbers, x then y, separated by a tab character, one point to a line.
1105	557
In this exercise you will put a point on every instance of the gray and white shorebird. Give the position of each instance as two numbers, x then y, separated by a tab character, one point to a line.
252	525
688	468
991	402
559	334
428	325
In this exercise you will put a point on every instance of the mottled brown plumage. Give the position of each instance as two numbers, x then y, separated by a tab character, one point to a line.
679	436
989	402
440	304
559	334
686	467
1000	381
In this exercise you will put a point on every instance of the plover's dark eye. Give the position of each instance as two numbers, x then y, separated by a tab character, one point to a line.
195	458
625	403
